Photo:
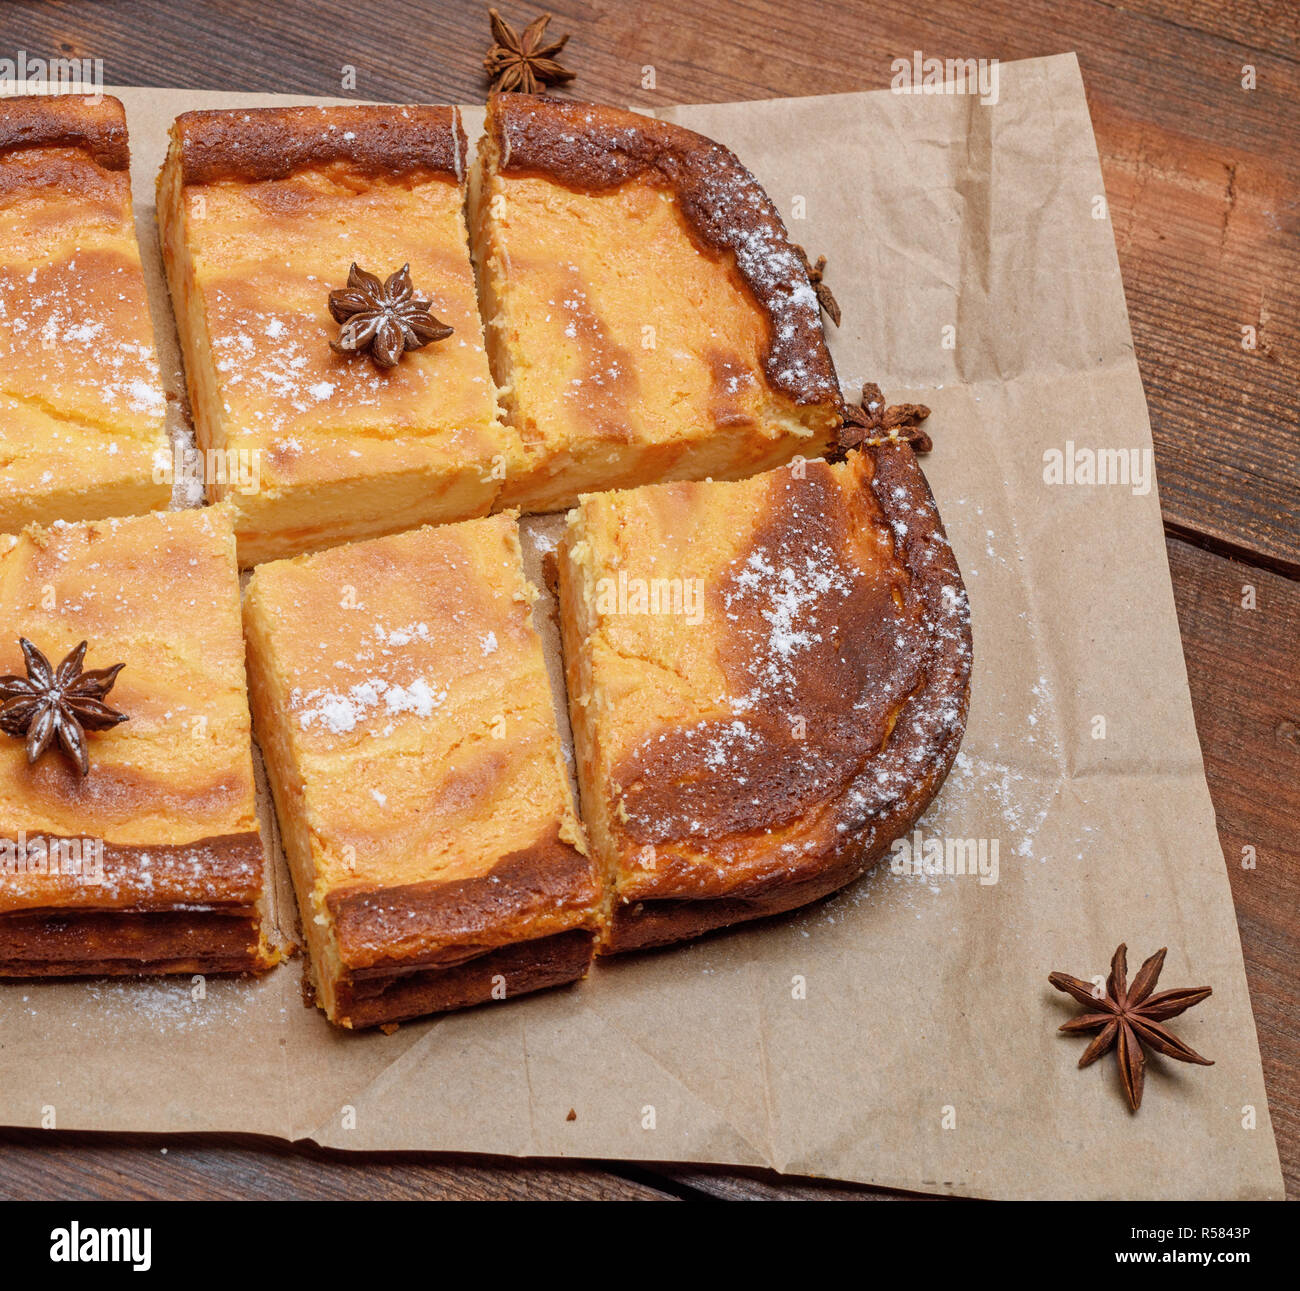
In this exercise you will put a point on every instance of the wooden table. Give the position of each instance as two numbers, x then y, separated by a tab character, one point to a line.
1202	179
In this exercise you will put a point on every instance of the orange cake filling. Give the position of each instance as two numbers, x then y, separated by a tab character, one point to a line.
626	349
344	449
81	404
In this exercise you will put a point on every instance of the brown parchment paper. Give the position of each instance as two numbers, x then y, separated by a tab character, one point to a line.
902	1033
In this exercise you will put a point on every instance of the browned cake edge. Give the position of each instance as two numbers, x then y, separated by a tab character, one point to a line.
522	968
234	935
67	121
904	496
223	871
258	144
594	148
486	930
82	943
382	928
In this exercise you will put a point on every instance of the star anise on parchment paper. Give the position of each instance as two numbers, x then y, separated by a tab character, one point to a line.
60	704
817	280
382	317
524	63
872	422
1128	1017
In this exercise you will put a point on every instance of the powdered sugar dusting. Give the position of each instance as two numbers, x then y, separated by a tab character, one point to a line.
341	712
846	682
84	324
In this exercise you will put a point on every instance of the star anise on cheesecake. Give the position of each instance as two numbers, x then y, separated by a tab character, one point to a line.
382	317
1128	1017
57	704
821	289
871	422
523	63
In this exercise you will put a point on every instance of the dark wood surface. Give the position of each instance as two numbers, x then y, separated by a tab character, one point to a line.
1203	178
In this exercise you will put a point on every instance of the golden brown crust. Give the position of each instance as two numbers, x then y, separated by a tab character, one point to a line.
253	145
885	792
212	872
423	924
77	943
596	148
67	121
500	974
644	925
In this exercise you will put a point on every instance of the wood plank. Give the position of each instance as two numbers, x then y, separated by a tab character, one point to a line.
763	1185
1243	666
47	1166
1253	24
1207	248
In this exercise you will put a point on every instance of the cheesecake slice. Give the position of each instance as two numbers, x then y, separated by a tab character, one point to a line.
648	318
768	682
402	703
82	432
151	862
262	213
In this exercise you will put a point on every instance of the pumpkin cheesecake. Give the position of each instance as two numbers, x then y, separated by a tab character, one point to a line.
82	431
263	214
768	682
131	843
402	703
648	318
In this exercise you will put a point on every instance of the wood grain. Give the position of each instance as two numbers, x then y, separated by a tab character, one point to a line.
1243	666
37	1165
1202	178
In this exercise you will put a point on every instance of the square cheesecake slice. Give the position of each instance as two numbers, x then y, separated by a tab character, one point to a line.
648	318
768	682
152	862
82	431
402	702
262	213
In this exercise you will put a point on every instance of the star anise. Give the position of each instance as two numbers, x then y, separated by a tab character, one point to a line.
382	317
816	278
524	63
57	704
1128	1017
872	423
